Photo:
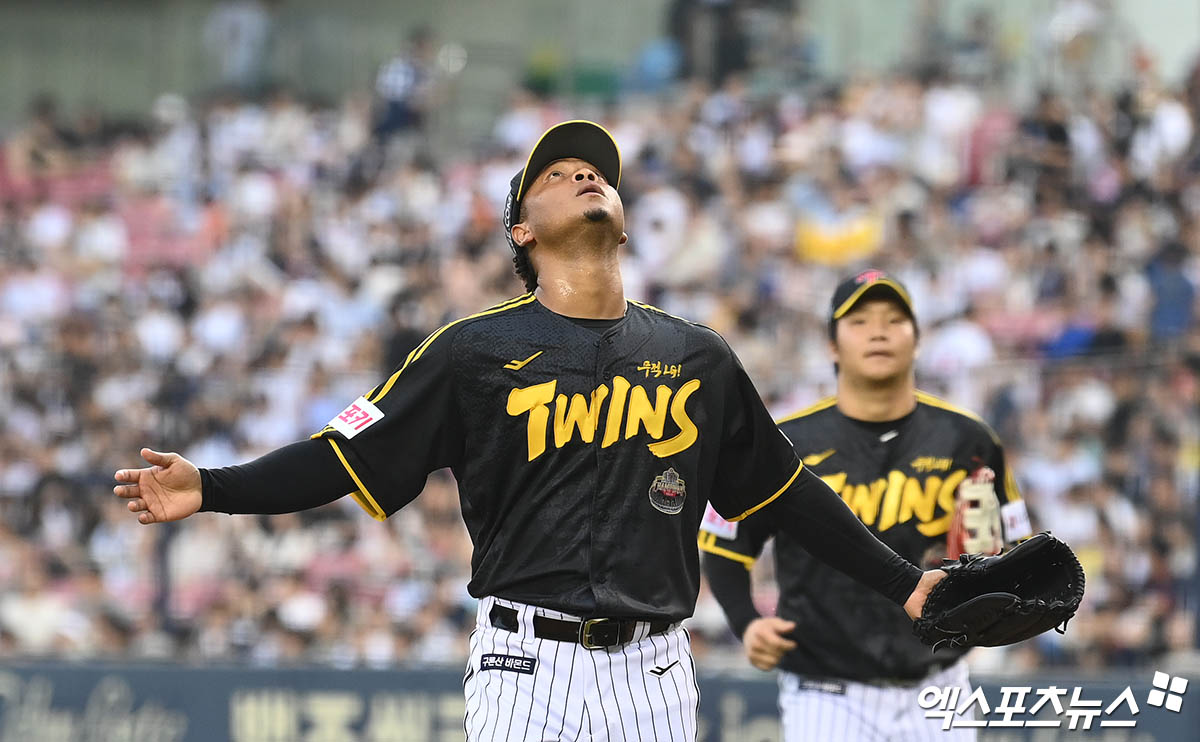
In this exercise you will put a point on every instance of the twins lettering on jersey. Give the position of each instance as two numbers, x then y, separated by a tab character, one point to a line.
624	410
901	497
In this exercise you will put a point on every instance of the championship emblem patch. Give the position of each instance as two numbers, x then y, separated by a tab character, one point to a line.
667	492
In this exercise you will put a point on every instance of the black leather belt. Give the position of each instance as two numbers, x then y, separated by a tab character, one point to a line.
593	633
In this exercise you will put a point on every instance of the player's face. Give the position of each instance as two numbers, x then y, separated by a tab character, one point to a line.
876	341
569	192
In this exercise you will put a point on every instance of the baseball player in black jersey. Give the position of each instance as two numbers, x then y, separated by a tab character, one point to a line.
587	433
927	478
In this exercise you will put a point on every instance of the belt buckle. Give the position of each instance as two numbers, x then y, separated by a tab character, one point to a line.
609	630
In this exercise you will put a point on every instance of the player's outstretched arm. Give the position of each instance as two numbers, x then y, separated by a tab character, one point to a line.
817	518
169	489
299	476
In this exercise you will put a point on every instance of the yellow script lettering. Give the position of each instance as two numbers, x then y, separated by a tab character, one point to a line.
616	408
641	413
579	412
918	501
688	432
582	415
945	498
891	500
865	500
533	399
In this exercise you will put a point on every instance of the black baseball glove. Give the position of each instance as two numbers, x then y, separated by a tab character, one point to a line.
989	601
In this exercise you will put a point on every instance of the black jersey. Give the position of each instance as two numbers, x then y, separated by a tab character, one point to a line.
584	459
900	479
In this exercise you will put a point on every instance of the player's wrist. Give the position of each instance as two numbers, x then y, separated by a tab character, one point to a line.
206	491
742	626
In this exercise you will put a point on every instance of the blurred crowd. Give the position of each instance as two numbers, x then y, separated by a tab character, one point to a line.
223	276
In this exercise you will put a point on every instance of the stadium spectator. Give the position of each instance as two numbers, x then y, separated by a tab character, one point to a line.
406	86
238	34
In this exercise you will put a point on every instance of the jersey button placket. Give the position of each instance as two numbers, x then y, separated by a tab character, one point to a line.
600	505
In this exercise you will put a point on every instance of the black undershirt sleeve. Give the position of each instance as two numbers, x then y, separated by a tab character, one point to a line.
730	584
299	476
820	521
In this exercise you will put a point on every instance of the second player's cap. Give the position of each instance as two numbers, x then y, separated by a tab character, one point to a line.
585	140
869	282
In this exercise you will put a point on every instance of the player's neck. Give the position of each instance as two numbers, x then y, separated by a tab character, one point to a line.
864	401
585	287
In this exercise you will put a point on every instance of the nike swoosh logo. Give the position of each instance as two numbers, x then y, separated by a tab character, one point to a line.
658	672
816	458
518	365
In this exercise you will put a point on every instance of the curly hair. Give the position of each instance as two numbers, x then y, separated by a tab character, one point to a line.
521	262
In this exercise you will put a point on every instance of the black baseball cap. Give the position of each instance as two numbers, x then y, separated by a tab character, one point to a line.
873	283
585	140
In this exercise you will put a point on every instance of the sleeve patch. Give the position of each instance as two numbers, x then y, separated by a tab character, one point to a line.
717	525
356	418
1016	521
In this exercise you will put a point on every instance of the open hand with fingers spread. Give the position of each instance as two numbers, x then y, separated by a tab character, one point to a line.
766	641
168	489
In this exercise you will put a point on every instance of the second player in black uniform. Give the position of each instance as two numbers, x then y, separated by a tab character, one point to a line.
929	479
587	433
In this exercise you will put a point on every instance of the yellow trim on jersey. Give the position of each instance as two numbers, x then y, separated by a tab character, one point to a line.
653	308
769	500
708	542
377	393
1011	493
932	401
417	351
823	404
361	496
